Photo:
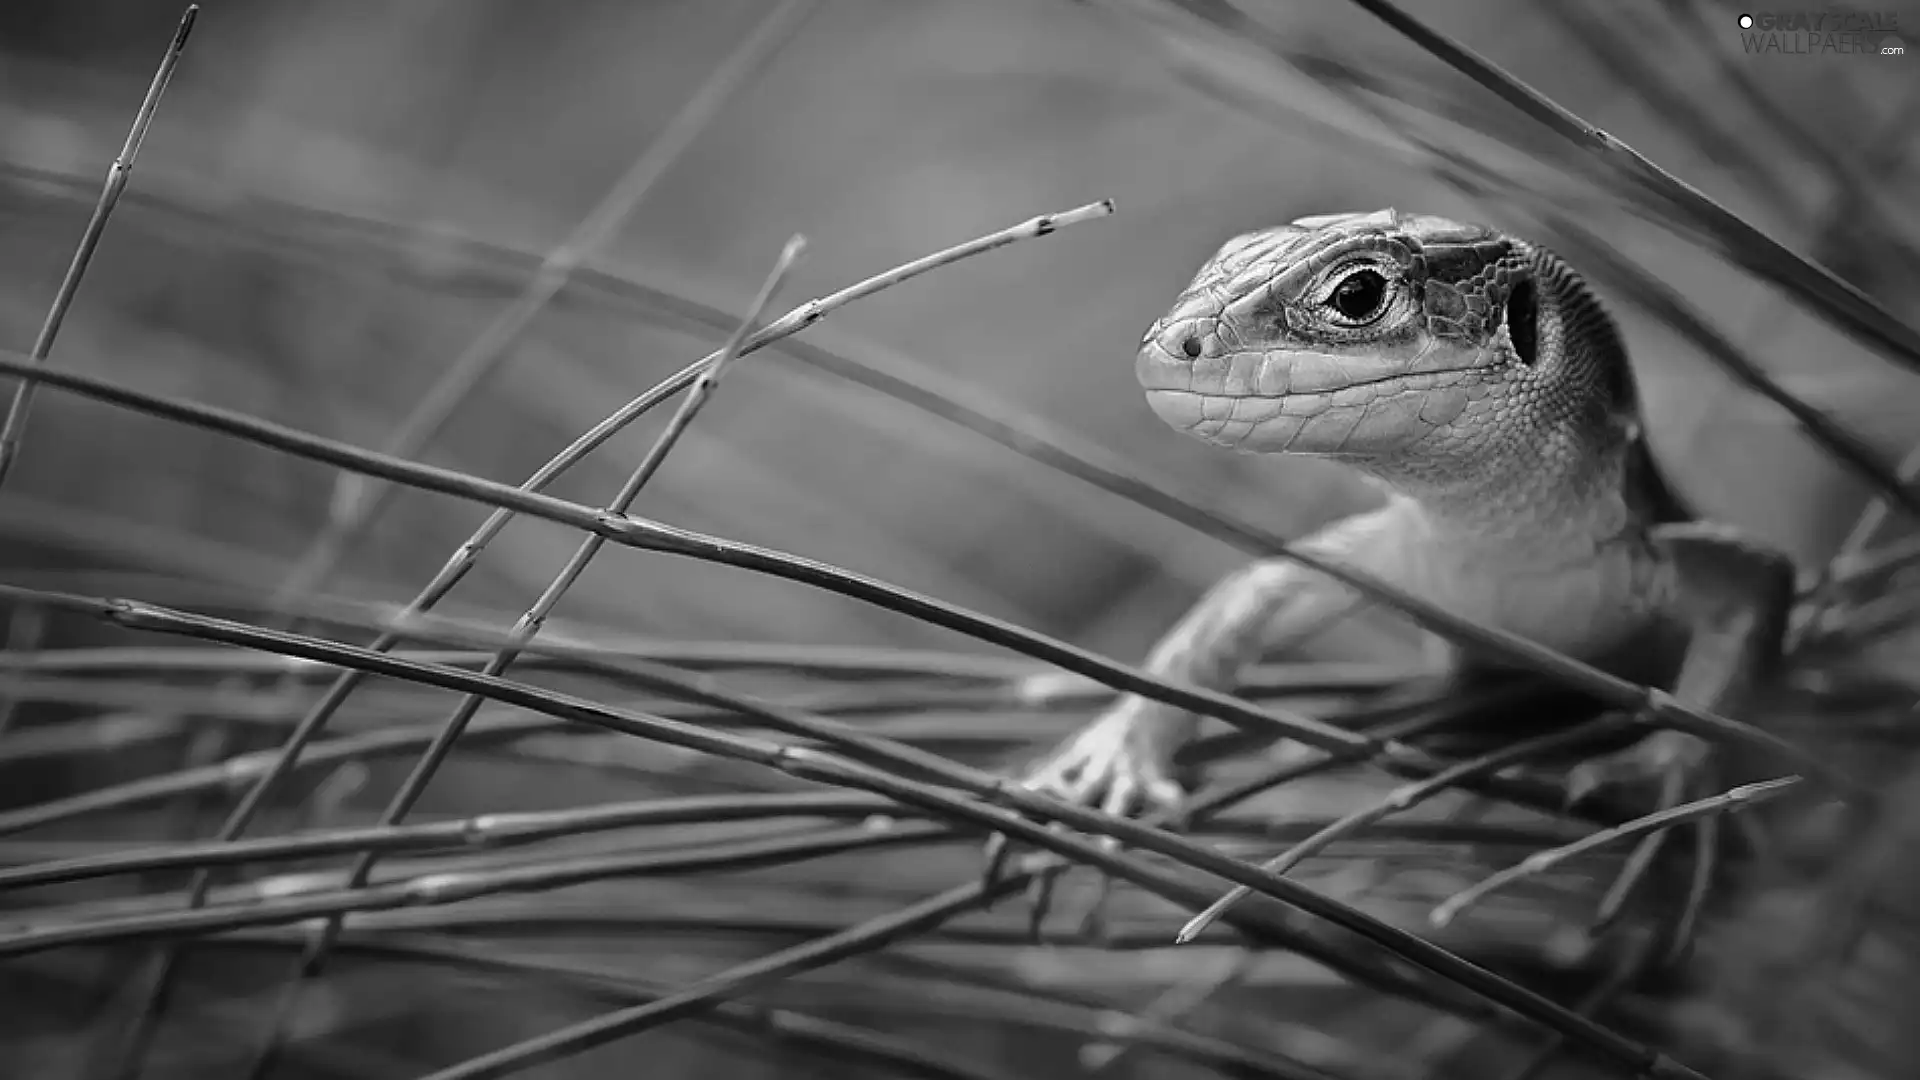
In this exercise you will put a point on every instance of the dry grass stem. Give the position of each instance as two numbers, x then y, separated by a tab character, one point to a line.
14	427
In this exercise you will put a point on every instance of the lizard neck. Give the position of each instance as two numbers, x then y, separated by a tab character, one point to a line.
1562	500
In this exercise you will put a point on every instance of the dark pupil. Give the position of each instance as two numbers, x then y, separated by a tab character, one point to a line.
1359	295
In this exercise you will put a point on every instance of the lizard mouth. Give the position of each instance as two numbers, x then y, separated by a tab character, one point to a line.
1327	391
1281	374
1391	411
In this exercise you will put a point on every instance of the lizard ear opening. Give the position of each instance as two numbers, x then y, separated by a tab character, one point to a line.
1523	316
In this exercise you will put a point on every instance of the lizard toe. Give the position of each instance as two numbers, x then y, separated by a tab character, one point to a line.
1124	795
1077	772
1102	767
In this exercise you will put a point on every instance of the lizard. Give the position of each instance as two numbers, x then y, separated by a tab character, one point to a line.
1477	379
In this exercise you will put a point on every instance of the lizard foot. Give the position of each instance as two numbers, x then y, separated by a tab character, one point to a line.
1113	764
1656	772
1666	768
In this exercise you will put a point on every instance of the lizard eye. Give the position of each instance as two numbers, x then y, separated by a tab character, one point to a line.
1359	296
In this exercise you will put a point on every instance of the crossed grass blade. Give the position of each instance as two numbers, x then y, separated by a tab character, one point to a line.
463	560
817	767
1405	798
241	772
795	321
496	831
19	408
1018	1005
415	894
524	630
783	757
354	506
822	768
1072	1014
1628	969
1086	1016
1740	798
639	533
485	831
796	761
444	887
840	662
786	1030
928	914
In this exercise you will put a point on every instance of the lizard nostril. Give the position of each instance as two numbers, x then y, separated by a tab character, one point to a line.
1190	346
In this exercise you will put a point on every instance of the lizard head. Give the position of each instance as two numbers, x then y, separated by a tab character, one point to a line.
1401	343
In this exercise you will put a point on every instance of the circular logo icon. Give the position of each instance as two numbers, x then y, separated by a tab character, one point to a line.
1746	22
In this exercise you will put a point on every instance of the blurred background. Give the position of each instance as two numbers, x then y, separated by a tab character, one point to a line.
337	199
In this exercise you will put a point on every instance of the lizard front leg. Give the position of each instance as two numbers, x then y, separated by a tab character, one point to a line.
1123	760
1733	595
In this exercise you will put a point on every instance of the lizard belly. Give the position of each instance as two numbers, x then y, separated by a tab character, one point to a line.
1589	611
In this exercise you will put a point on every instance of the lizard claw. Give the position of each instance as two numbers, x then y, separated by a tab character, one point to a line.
1111	764
1114	762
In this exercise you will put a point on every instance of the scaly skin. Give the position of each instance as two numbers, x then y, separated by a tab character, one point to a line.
1477	379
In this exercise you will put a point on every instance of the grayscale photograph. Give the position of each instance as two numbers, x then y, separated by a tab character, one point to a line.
959	540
